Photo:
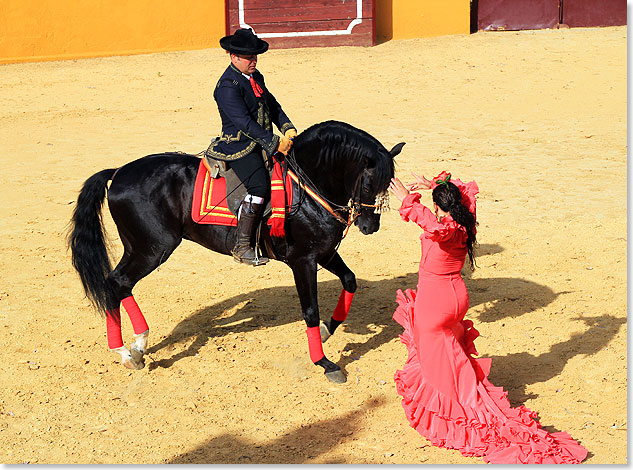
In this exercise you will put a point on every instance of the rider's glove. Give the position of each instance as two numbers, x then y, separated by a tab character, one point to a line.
284	145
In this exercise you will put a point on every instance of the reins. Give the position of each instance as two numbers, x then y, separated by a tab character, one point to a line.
352	207
321	200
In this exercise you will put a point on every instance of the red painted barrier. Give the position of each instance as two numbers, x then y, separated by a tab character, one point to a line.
502	15
594	13
306	23
510	15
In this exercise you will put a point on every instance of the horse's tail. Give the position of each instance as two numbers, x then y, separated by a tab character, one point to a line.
87	241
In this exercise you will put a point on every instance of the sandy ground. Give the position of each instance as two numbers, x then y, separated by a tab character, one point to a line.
537	118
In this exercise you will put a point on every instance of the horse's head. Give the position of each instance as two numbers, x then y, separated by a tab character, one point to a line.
347	164
370	197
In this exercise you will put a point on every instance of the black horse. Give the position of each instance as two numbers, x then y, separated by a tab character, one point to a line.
150	202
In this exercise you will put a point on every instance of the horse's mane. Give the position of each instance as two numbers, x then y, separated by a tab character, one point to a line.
336	142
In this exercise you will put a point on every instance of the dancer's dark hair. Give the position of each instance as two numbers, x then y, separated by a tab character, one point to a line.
448	198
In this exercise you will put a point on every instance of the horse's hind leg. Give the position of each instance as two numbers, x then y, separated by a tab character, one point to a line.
132	268
139	346
140	327
115	341
337	266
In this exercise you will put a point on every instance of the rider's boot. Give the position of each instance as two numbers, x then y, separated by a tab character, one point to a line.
250	216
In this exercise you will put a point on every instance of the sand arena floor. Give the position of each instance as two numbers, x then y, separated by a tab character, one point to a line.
537	118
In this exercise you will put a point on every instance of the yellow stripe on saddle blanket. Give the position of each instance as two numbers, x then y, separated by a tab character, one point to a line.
209	200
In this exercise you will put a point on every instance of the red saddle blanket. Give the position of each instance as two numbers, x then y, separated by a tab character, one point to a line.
210	207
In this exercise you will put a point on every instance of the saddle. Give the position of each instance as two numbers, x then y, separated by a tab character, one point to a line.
235	190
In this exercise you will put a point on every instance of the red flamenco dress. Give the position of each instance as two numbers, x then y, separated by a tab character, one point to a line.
446	394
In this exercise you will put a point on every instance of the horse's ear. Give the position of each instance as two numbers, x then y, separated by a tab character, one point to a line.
396	149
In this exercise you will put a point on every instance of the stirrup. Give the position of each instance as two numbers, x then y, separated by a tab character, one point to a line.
254	260
214	167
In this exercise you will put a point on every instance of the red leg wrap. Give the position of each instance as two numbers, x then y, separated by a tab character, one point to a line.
342	308
314	344
139	325
113	329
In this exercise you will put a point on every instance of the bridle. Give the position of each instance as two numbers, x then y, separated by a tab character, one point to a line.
380	205
353	207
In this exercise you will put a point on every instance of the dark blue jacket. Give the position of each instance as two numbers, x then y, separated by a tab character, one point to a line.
246	120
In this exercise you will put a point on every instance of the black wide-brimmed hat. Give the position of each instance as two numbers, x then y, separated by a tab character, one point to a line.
244	41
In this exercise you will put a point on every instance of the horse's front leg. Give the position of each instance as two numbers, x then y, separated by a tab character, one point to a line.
304	271
337	266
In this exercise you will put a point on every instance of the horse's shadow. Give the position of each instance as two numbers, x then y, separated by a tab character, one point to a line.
242	314
374	304
371	314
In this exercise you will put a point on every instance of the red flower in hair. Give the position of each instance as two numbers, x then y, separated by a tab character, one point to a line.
443	178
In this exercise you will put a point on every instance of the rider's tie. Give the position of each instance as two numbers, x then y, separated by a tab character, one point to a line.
256	88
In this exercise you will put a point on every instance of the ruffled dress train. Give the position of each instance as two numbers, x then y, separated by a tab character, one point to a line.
448	398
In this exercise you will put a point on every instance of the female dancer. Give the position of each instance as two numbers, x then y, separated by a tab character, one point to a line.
446	394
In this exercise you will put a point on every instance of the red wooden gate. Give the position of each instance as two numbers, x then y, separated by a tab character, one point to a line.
305	23
540	14
594	13
503	15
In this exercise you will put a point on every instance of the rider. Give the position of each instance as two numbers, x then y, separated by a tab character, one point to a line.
248	110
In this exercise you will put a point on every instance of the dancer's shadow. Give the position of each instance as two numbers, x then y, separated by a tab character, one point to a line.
504	297
508	297
548	365
485	249
294	447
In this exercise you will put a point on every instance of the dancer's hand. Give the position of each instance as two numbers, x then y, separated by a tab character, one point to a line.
398	189
421	183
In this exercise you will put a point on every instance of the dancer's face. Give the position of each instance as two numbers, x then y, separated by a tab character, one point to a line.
439	213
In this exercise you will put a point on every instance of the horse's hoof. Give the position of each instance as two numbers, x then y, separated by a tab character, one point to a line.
325	333
130	363
336	376
137	348
137	355
128	360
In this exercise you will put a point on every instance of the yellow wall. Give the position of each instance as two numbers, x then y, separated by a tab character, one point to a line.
34	30
405	19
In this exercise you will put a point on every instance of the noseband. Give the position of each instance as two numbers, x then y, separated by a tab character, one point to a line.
354	206
380	205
